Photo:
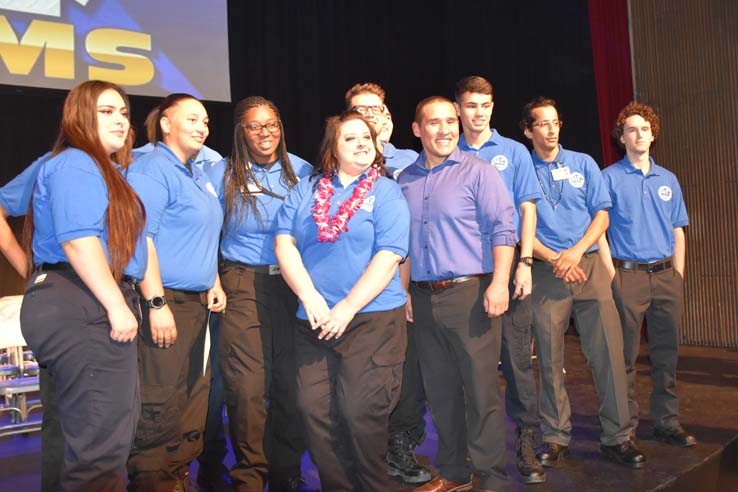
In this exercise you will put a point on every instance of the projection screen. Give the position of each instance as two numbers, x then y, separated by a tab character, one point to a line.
149	47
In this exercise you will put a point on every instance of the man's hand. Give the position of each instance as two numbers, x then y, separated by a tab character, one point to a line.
565	261
523	281
496	298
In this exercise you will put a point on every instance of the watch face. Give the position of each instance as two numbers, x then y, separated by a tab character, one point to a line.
157	302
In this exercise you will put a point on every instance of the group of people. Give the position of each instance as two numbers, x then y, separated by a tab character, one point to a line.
341	296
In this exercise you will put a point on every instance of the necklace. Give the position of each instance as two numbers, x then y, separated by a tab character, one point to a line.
549	198
329	228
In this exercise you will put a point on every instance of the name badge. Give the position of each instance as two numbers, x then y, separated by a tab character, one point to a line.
560	173
274	270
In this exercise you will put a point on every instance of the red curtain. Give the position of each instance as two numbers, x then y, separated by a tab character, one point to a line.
608	21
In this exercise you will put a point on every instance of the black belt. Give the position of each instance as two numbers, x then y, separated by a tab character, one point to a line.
63	266
650	267
264	269
449	282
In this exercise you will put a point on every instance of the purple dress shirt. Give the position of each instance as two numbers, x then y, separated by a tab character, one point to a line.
459	211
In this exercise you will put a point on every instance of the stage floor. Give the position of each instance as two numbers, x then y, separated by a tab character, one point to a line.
708	391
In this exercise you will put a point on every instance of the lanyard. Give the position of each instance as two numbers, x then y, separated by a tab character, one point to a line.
549	199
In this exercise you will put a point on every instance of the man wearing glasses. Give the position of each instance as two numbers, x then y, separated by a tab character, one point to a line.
406	423
474	104
368	99
569	275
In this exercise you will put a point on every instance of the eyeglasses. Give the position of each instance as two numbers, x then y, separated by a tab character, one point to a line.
364	110
549	124
256	128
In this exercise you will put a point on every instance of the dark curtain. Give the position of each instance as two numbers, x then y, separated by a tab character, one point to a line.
305	54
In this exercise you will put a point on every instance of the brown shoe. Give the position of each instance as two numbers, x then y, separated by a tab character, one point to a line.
440	484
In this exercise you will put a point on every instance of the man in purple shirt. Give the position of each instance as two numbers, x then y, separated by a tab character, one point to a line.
462	238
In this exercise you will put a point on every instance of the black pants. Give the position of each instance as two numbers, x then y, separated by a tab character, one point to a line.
458	348
52	437
174	398
214	447
659	297
346	390
256	358
95	377
521	400
408	415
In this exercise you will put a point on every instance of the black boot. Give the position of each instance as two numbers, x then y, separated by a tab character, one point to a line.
529	467
401	461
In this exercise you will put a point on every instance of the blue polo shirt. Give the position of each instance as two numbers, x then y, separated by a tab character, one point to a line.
183	217
204	159
645	211
397	159
513	162
568	205
70	201
16	194
459	211
381	223
250	239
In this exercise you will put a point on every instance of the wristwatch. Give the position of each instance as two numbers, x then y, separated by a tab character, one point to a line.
526	260
156	302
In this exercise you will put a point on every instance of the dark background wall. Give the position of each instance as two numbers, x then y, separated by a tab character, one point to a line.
305	54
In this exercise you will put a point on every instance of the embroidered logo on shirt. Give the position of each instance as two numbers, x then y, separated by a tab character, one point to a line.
576	180
500	162
368	204
665	193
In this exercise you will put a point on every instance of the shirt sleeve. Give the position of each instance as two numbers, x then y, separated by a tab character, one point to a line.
391	220
16	195
679	212
154	194
598	198
78	199
288	211
495	208
525	184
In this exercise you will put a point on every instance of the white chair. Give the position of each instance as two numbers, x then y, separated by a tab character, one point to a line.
14	387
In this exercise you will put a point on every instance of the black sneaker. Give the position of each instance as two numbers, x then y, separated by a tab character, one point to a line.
626	453
551	453
401	460
675	436
530	469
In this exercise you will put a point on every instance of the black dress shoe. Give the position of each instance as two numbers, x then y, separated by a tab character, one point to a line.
676	436
626	453
551	453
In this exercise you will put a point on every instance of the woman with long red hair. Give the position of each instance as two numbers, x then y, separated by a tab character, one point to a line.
80	313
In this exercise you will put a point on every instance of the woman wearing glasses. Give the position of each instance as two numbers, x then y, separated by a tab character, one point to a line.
340	237
255	348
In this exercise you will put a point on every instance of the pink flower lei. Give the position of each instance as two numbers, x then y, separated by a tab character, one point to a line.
329	228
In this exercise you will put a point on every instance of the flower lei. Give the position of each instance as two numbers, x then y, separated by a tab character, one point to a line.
329	228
